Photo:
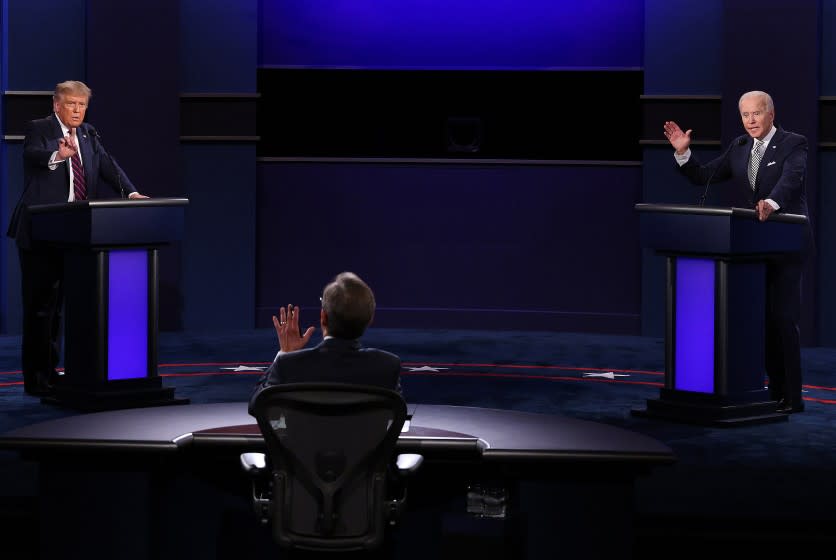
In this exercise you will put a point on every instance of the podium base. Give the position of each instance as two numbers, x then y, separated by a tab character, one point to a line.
113	396
710	414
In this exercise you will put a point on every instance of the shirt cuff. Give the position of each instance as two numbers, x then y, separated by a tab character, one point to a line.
682	159
773	204
54	161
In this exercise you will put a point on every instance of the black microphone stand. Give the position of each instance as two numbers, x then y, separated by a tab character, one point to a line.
740	142
116	169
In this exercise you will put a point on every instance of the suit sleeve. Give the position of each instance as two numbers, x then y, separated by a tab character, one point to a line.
793	172
270	378
37	148
398	387
718	169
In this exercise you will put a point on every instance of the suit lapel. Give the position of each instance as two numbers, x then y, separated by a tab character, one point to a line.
83	140
57	134
768	154
56	127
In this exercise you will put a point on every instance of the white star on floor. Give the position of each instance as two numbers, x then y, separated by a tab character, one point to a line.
245	368
426	368
605	374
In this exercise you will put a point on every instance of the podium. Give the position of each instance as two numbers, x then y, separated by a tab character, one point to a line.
715	309
111	298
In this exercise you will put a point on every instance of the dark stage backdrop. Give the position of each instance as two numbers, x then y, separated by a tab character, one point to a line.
511	114
684	50
476	162
458	245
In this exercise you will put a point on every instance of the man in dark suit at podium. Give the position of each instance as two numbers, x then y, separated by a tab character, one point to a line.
348	306
767	167
63	161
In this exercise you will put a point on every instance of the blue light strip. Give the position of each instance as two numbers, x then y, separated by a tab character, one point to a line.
460	35
127	318
694	352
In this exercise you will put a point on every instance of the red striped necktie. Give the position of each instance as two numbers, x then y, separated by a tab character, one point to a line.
79	182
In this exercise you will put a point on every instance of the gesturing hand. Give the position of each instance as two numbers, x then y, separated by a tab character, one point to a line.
67	147
678	139
287	329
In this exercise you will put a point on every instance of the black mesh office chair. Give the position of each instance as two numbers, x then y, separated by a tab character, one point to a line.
329	464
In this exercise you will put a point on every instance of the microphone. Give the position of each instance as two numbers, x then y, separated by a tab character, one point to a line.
741	141
95	134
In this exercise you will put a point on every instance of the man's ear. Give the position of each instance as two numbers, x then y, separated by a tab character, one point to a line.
323	318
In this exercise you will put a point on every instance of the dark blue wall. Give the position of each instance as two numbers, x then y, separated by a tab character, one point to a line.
789	70
456	245
4	290
46	43
218	45
40	48
218	53
682	46
827	182
136	109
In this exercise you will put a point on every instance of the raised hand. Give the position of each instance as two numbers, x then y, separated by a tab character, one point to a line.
287	329
680	141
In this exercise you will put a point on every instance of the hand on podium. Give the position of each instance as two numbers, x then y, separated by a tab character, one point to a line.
764	210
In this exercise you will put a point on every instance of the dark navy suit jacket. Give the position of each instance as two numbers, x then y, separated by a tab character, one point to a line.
334	360
782	172
44	186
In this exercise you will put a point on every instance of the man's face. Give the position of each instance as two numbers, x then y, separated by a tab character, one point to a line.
756	119
70	109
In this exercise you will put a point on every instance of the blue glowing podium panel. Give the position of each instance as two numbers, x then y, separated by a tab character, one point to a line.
111	297
715	309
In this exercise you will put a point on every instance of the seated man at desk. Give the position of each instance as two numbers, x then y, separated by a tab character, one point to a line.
347	310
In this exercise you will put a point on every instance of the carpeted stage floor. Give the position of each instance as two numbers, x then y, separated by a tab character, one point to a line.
768	487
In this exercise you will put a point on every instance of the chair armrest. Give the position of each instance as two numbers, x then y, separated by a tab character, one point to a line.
408	463
254	463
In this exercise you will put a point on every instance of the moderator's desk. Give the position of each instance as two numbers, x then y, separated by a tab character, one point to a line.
131	483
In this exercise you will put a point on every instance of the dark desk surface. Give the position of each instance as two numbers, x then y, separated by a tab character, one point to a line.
487	435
